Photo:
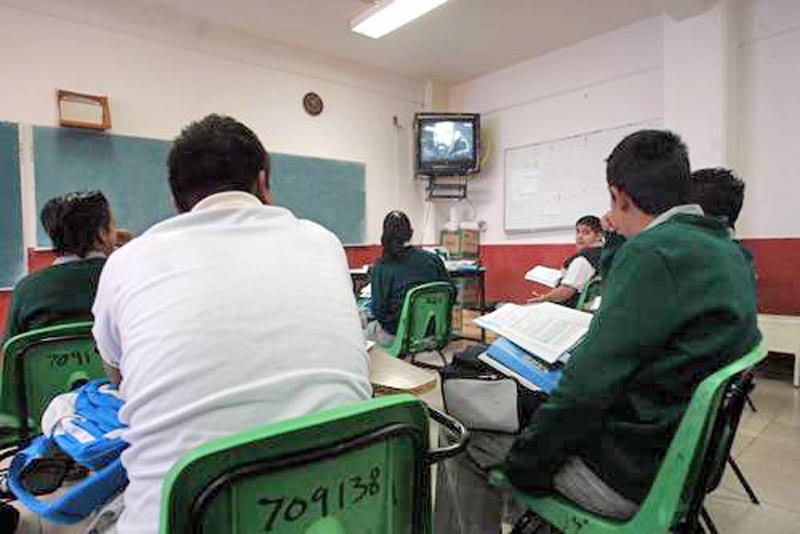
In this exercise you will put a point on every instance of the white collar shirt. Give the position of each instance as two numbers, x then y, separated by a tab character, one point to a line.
232	316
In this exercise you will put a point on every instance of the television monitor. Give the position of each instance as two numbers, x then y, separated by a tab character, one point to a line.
447	144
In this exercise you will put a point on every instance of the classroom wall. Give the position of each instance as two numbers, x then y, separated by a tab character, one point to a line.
618	78
608	81
155	88
770	114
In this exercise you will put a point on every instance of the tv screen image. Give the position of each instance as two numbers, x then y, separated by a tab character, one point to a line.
447	143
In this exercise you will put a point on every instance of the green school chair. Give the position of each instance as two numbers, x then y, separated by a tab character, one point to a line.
590	291
425	320
692	466
354	469
37	366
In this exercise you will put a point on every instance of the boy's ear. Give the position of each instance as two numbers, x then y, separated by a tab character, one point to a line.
621	199
262	189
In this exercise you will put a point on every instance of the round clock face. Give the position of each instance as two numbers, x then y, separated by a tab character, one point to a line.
312	103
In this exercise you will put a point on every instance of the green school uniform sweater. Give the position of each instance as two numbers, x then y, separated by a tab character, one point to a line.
678	304
392	279
54	295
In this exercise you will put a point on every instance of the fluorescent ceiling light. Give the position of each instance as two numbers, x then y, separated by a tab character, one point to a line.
389	15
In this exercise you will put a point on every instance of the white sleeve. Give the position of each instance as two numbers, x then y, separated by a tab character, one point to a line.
579	272
105	329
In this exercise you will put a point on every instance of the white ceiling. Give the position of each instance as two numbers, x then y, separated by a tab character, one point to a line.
460	40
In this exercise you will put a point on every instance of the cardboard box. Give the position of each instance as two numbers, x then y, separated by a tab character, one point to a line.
463	244
470	243
468	327
457	318
469	292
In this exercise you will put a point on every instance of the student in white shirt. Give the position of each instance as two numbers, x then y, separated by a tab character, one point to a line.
232	315
579	268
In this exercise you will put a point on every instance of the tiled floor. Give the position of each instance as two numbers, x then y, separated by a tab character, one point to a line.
767	449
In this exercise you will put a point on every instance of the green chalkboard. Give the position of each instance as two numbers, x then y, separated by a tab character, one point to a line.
12	248
328	192
132	172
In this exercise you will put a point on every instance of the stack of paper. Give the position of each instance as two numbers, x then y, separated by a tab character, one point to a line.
544	275
546	330
512	361
366	292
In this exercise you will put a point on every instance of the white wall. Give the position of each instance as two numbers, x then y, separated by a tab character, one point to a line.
155	88
770	118
621	77
608	81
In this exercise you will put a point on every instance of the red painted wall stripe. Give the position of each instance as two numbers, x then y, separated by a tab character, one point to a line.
776	261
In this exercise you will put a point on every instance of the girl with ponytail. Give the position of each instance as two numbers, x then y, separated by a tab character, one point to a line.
400	268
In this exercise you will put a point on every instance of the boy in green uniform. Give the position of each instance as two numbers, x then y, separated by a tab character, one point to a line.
81	228
678	304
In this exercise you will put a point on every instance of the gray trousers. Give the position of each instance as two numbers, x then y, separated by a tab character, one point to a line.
466	503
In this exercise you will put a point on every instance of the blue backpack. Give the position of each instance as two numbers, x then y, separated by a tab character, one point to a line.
83	431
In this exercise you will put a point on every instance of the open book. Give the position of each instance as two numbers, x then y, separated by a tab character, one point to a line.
545	330
544	275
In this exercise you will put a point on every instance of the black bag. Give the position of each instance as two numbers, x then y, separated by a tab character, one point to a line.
484	399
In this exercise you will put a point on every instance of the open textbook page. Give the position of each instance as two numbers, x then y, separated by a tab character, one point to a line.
544	275
546	330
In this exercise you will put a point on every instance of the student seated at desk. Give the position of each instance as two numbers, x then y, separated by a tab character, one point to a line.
232	315
579	268
81	227
721	194
670	317
716	190
401	268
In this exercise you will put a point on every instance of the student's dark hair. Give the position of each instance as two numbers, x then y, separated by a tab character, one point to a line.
397	233
592	222
719	192
652	167
74	221
213	155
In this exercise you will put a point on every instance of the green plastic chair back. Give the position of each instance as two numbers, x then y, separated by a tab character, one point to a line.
43	363
426	319
680	484
356	469
590	291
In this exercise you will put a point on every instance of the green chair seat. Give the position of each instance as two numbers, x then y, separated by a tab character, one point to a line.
692	465
40	364
425	320
354	469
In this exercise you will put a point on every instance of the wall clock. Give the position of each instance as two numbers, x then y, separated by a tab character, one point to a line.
312	103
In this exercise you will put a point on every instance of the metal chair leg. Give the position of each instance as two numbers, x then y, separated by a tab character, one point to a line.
528	519
712	528
743	481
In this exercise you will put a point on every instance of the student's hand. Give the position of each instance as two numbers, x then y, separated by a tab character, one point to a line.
536	297
607	222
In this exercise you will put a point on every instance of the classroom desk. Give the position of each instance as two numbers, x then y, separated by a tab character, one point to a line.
393	375
782	334
360	279
473	274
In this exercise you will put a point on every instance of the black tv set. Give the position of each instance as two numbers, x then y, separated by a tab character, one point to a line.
447	144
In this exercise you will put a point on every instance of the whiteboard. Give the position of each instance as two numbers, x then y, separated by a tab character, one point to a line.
550	185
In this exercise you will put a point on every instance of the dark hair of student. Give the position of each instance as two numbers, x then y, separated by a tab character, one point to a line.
719	192
74	222
397	233
652	167
213	155
592	222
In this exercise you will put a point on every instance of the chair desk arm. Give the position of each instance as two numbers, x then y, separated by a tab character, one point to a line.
456	428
